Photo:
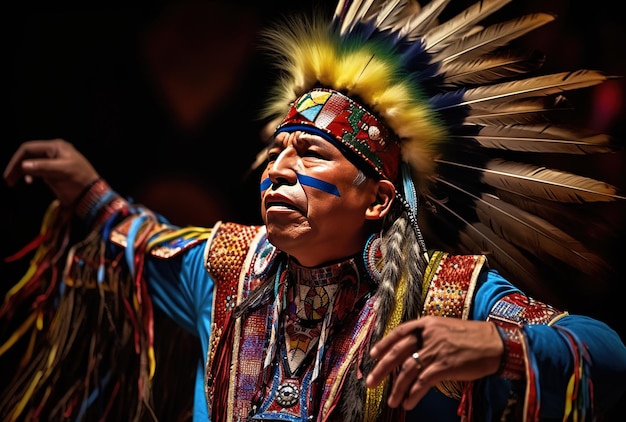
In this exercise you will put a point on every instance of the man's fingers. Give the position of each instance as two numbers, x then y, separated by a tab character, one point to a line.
417	391
41	167
400	333
406	378
20	164
393	349
392	358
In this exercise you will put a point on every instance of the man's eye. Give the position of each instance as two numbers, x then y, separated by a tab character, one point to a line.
272	155
313	154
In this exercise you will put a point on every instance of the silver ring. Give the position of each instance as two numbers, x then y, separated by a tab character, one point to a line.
418	362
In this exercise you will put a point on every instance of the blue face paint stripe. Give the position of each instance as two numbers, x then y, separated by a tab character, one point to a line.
307	181
318	184
265	183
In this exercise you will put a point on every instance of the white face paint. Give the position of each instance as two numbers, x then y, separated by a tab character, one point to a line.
312	200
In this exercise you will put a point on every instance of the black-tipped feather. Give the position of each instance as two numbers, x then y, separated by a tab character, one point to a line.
540	182
494	67
447	32
537	224
489	39
520	112
540	138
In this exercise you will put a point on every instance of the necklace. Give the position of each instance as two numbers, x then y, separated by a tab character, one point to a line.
309	310
311	305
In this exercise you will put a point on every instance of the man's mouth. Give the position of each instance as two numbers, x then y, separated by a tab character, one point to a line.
280	204
280	201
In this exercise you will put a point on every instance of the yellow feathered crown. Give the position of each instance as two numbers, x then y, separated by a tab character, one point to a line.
470	121
369	70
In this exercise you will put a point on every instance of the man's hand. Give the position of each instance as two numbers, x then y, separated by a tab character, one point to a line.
65	170
432	349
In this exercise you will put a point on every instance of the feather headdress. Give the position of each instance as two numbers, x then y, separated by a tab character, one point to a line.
470	114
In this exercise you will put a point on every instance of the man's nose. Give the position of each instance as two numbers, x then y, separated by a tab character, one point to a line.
284	166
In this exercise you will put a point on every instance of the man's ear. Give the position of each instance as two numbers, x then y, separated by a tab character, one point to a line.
385	193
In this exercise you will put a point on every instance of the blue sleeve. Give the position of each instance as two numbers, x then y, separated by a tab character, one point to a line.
551	351
179	285
183	289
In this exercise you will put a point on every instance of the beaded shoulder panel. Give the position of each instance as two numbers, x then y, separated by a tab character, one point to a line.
226	254
237	257
166	241
448	291
449	284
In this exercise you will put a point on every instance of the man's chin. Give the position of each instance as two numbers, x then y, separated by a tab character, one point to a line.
286	237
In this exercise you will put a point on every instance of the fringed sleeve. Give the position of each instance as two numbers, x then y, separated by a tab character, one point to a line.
83	321
555	366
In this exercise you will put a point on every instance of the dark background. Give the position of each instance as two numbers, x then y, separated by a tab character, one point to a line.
162	99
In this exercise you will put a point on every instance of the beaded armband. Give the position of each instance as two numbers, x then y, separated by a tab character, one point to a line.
98	203
510	314
512	365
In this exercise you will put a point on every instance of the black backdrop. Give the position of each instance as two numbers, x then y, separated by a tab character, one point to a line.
161	97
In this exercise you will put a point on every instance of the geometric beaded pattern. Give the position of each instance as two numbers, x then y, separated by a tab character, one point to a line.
449	285
338	355
453	281
518	309
512	312
228	250
344	121
226	256
514	361
160	249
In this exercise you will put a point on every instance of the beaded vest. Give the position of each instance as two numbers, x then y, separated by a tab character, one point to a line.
288	357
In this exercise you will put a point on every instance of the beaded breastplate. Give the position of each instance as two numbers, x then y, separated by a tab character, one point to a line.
288	358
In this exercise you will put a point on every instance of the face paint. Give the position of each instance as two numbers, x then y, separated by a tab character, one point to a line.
307	181
318	184
265	184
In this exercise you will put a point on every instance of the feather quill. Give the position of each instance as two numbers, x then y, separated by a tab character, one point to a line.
478	238
511	262
420	22
530	87
540	138
593	225
441	35
525	111
490	68
539	237
532	233
540	182
491	38
357	11
393	13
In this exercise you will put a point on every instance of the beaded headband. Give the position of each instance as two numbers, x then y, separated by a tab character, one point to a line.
471	114
347	124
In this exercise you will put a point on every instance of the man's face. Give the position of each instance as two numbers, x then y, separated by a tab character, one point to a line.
312	205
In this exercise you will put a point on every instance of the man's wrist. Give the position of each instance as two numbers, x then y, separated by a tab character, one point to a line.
98	202
512	365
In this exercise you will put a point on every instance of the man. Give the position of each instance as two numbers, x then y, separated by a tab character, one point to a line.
334	309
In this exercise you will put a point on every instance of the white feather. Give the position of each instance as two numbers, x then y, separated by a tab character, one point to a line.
531	87
540	138
445	33
491	38
420	22
540	182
